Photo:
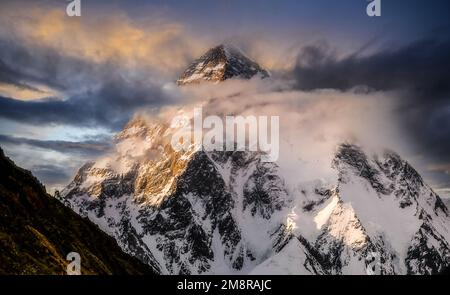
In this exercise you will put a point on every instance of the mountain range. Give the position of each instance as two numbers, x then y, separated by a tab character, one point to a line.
231	213
198	212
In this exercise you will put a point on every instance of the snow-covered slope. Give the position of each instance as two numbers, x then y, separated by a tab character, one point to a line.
397	208
221	63
379	218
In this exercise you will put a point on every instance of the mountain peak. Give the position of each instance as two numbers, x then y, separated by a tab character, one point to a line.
220	63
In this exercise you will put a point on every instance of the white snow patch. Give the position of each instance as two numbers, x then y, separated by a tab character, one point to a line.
323	215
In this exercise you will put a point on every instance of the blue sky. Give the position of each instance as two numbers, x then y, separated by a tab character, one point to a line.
405	20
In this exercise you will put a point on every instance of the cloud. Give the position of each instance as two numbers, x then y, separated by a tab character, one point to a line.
439	167
418	72
55	169
420	67
87	93
26	92
90	72
312	123
51	174
109	106
155	42
86	148
104	94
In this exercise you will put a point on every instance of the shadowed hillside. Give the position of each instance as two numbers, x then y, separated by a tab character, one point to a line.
37	232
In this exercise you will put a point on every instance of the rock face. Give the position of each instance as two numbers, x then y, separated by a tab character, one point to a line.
37	232
228	212
221	63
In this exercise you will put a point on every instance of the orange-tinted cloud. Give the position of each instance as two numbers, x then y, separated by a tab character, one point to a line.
111	36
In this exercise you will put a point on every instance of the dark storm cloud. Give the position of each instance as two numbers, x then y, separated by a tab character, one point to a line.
98	95
421	67
109	106
86	148
420	72
10	76
20	65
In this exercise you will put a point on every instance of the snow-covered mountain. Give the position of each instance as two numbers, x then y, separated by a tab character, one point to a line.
220	63
229	212
197	212
191	212
380	216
